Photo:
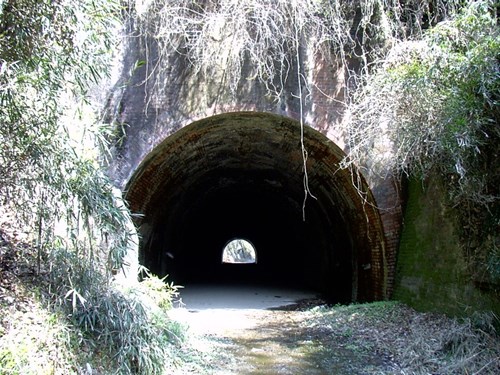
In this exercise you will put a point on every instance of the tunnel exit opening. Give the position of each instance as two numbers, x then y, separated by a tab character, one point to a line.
239	251
186	191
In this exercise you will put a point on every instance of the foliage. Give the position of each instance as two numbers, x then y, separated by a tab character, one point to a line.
431	107
52	53
436	100
71	319
129	325
161	292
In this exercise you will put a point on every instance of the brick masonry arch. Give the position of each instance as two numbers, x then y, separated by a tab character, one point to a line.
149	106
241	174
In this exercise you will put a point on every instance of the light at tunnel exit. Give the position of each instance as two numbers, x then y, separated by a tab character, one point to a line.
239	251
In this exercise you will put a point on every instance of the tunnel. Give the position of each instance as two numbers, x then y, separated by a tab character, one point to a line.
241	176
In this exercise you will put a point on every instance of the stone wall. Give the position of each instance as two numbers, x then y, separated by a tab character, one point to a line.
432	272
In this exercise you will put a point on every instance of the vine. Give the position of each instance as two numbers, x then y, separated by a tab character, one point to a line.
269	36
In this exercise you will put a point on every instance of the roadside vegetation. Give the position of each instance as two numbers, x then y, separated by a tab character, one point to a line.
429	109
413	342
63	227
71	319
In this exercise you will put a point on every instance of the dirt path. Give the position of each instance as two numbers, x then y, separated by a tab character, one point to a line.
245	331
282	342
272	340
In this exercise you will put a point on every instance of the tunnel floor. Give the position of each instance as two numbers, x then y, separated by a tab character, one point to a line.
206	296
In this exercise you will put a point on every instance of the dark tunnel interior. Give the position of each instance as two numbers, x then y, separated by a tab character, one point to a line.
272	221
242	177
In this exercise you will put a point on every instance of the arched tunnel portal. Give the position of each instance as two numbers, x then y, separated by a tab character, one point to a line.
240	175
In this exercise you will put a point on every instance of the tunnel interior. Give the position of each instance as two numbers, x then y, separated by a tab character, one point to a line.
241	175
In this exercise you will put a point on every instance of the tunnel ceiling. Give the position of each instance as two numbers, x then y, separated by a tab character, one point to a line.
240	175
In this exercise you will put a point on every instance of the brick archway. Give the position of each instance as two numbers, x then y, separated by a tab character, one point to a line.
241	174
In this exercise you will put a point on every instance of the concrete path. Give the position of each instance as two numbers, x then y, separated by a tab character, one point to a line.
214	309
208	297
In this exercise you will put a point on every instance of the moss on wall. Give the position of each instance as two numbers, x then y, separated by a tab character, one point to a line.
432	270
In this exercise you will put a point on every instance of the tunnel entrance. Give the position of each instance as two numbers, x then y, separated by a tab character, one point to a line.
240	175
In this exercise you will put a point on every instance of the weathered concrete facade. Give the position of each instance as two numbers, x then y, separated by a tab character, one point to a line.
245	143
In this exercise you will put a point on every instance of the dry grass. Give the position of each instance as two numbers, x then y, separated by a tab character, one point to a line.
33	339
417	343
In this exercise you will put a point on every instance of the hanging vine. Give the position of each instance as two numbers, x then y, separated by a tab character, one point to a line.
268	36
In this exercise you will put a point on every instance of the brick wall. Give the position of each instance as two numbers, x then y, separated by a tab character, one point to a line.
148	117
